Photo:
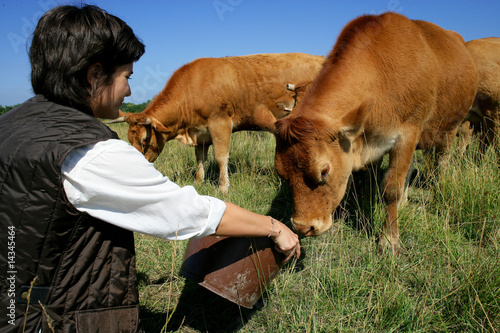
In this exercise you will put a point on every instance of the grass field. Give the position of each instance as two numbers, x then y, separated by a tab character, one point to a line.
446	278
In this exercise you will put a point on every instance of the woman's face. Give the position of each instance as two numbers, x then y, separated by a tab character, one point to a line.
107	104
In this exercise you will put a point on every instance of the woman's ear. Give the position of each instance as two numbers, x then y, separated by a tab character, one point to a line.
93	73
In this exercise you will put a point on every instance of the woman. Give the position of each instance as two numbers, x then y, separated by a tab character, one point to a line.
72	193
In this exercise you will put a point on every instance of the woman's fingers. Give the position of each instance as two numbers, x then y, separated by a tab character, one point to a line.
295	251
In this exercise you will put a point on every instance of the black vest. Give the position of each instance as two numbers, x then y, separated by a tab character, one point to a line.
82	269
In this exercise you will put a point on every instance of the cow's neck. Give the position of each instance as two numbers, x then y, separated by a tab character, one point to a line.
344	87
369	147
170	113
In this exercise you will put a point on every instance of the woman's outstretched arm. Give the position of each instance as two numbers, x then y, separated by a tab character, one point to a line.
238	221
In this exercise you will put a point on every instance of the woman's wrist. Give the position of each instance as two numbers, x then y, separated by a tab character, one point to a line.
275	229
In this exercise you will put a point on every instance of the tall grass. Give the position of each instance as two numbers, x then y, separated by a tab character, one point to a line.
446	278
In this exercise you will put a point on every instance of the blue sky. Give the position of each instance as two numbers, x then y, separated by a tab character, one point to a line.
176	32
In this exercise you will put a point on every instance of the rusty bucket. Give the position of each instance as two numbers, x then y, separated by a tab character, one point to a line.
236	268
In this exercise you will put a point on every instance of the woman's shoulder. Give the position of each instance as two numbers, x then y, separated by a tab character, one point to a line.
116	150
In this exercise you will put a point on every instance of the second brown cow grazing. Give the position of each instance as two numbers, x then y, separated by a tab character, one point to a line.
390	85
208	99
485	114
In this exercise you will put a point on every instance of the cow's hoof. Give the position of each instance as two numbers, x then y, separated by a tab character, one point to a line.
387	247
224	189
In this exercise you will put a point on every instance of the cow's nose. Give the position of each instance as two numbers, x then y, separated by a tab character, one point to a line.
311	232
306	230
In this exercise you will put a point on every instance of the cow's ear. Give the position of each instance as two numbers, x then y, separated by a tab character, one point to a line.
352	122
159	127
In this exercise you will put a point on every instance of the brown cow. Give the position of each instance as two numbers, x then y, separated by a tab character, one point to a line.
208	99
485	114
389	85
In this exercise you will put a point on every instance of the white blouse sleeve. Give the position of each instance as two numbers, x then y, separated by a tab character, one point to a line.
112	181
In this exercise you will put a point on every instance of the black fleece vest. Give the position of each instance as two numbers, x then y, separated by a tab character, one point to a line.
82	269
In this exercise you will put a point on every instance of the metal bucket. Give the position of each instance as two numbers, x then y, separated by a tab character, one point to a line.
236	268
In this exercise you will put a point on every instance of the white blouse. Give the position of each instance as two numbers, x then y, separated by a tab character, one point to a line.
112	181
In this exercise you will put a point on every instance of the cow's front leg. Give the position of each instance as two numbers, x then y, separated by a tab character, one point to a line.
220	130
201	151
400	159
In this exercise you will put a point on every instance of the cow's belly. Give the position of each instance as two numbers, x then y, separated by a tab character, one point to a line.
203	136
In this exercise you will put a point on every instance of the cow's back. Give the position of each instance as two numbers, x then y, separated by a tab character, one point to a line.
247	83
486	55
280	66
260	70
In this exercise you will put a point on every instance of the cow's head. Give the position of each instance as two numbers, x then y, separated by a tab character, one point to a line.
293	94
145	133
315	156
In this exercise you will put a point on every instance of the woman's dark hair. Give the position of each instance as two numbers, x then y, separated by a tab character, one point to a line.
67	41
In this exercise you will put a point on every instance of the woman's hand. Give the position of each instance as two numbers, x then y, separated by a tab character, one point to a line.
287	242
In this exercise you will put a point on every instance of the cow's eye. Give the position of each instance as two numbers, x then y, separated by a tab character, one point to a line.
325	172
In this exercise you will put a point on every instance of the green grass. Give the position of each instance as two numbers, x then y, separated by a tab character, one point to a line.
446	279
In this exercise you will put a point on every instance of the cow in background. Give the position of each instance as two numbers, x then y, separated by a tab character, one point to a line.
390	85
208	99
485	113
